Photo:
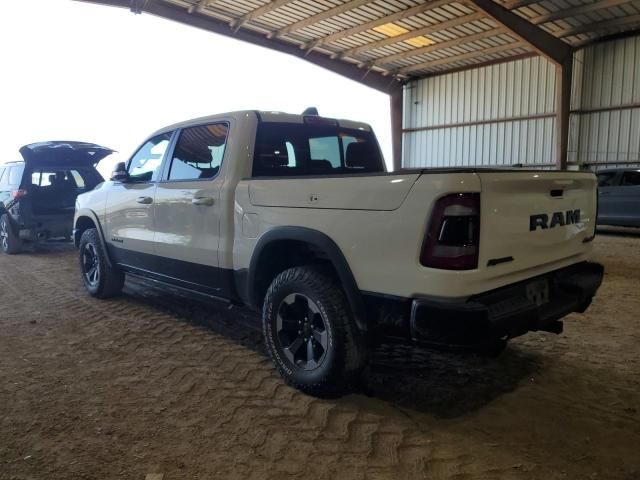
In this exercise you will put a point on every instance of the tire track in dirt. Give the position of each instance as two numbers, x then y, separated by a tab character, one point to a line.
130	385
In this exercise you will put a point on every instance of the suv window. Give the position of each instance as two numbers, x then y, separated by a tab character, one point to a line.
607	179
199	152
631	178
145	164
69	178
2	169
291	149
15	175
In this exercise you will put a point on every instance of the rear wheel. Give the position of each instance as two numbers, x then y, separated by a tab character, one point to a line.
100	279
9	240
310	333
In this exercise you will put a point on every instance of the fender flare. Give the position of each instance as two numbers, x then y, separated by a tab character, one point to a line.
86	212
322	242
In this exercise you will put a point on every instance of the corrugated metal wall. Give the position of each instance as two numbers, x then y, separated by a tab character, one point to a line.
504	114
497	115
605	123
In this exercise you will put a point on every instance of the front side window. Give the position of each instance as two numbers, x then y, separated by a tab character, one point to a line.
144	166
199	152
291	149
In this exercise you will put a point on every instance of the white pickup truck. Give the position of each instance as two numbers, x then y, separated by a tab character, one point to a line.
296	216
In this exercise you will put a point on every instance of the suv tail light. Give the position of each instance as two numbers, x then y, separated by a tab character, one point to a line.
453	235
18	194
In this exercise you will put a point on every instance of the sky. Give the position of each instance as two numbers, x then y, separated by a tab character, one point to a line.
76	71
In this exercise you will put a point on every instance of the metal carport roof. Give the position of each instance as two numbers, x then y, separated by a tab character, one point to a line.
384	43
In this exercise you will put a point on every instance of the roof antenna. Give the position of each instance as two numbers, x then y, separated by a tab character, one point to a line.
311	111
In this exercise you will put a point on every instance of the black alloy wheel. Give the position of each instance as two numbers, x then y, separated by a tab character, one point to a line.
302	331
90	265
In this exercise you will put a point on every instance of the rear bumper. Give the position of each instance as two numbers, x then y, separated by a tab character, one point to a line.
508	311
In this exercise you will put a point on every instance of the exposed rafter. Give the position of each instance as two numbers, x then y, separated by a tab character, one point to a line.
410	12
439	46
582	9
465	56
198	7
411	34
512	5
546	44
258	12
606	25
319	17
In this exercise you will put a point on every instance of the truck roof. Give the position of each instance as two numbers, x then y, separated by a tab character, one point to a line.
263	116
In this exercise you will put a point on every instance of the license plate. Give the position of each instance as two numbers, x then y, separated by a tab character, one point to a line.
538	291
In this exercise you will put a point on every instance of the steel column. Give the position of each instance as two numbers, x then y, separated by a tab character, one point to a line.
397	105
564	76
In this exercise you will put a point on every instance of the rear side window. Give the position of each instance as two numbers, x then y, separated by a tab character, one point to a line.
289	149
199	152
15	175
631	178
144	166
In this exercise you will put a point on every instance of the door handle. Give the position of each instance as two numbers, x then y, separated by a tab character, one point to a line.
205	201
145	200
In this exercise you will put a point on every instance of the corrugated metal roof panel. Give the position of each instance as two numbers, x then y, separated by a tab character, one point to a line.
311	24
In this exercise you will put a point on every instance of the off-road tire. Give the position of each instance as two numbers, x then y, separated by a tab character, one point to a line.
10	242
110	279
346	353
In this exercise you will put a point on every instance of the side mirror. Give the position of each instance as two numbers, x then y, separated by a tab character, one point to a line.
120	173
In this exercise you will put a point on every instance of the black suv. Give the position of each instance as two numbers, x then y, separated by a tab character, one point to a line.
38	194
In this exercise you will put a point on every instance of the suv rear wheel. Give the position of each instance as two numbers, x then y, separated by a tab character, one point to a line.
310	333
100	279
9	241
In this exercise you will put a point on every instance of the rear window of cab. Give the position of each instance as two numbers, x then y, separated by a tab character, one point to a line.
290	149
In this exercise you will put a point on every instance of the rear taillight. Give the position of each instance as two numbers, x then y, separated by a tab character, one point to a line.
18	194
453	235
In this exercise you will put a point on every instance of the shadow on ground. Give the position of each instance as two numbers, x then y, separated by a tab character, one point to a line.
443	384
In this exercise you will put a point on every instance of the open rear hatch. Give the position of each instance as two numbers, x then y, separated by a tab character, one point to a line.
531	219
64	153
55	174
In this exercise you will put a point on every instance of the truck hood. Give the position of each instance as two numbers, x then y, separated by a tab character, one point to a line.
57	153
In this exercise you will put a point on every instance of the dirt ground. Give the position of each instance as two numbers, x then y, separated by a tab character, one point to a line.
153	383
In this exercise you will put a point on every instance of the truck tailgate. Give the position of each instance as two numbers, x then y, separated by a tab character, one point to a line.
530	219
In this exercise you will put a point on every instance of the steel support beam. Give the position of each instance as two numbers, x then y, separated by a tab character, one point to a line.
397	105
544	43
548	45
564	77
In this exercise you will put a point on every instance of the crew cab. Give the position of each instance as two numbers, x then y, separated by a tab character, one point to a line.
295	216
38	193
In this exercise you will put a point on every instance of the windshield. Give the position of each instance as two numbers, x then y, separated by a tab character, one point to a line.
289	149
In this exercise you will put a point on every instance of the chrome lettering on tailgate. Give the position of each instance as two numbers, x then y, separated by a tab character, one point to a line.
558	219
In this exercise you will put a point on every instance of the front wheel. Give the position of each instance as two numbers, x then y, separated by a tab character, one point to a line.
310	333
100	279
9	240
